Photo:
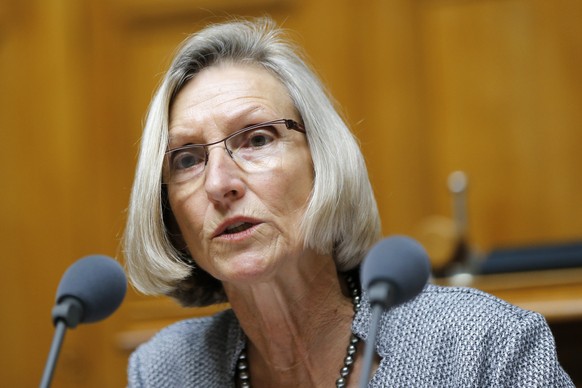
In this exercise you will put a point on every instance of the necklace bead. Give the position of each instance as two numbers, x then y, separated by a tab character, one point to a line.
242	364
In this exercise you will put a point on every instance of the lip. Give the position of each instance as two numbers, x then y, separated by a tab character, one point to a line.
219	231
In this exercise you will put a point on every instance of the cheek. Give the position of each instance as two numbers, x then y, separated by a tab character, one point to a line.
286	190
188	212
302	179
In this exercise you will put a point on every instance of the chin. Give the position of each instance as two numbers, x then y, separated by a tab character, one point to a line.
249	270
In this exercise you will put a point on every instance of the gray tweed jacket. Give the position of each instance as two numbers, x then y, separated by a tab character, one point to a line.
445	337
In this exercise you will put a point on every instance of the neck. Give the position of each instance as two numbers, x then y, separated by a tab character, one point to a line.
298	326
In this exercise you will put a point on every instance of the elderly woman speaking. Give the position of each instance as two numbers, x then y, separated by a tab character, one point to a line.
251	190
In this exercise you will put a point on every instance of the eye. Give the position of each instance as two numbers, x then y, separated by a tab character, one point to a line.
256	138
182	159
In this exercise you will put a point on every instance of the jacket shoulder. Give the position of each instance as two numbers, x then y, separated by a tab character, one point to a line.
187	352
464	337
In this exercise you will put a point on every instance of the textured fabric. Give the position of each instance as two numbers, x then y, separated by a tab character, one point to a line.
446	337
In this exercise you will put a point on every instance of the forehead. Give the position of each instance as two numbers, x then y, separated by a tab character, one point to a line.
224	93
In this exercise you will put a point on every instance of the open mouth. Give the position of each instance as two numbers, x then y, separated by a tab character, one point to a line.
238	227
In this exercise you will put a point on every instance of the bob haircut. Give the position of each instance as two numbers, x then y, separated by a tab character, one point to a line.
341	217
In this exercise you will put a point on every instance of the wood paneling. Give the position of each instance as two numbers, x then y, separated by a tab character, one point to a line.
502	91
489	87
41	211
389	107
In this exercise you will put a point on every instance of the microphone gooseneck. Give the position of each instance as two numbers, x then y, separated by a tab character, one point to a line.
394	271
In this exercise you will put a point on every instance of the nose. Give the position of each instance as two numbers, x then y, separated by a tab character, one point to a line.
223	181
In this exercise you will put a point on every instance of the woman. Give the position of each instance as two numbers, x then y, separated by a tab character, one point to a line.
250	189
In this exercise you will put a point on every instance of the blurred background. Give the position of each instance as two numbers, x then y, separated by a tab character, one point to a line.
469	114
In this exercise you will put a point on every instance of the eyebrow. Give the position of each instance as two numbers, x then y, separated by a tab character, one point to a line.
229	122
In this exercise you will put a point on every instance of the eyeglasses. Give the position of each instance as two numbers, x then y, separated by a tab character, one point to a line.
255	148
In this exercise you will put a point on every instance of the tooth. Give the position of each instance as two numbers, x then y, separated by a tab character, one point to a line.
239	227
234	226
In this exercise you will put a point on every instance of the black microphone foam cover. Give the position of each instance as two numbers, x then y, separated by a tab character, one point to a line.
400	261
98	282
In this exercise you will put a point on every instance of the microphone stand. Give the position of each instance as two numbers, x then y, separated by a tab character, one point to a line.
59	336
381	298
66	314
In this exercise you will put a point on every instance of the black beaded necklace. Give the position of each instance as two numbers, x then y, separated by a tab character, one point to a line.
242	365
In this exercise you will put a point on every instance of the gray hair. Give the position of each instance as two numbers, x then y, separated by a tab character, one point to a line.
341	217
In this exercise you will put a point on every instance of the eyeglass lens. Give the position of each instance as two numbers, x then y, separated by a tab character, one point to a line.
257	148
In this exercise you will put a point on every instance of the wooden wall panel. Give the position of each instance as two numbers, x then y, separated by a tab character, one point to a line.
40	124
502	97
387	99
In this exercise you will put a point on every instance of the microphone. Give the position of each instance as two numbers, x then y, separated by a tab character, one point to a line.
90	290
394	271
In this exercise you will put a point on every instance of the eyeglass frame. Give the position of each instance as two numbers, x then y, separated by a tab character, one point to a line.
290	124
